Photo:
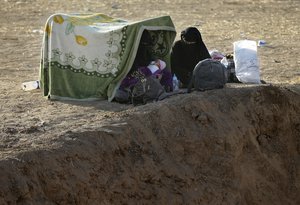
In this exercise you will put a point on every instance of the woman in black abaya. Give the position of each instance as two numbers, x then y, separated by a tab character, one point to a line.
186	53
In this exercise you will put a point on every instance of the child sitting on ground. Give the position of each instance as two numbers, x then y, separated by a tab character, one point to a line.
155	68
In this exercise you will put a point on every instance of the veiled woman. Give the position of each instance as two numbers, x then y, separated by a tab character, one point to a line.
186	53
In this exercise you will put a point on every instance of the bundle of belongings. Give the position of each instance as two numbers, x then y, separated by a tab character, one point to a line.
197	68
239	67
91	56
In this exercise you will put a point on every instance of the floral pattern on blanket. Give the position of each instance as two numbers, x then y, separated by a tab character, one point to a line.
103	65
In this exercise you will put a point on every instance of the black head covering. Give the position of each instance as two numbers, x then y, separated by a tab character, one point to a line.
191	35
146	38
144	55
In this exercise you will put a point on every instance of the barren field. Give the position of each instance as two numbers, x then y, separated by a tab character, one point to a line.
237	145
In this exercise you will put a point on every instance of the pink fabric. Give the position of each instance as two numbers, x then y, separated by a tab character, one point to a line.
162	64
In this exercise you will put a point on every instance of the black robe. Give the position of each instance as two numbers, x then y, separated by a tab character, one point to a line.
144	54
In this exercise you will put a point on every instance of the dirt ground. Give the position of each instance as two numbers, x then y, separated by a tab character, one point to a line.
237	145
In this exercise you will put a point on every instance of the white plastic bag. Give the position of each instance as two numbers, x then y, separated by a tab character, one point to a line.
246	61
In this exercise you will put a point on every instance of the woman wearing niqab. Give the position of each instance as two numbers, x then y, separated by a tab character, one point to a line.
186	54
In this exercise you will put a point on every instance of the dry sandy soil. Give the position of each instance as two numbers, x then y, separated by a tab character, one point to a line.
237	145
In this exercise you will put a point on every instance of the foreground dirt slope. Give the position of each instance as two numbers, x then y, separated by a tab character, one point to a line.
238	145
240	148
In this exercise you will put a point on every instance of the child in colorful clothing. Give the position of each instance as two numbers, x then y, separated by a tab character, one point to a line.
155	68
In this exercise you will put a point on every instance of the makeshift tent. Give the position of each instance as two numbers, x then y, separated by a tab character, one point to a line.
85	57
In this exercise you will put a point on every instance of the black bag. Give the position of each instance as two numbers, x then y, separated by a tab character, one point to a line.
208	74
146	90
122	96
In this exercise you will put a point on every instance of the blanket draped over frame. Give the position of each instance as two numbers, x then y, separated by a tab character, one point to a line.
86	56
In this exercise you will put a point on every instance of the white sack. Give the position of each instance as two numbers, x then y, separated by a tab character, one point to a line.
246	61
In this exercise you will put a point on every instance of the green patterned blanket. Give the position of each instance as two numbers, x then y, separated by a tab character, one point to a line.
85	57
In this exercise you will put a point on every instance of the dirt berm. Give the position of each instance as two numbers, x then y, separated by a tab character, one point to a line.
237	145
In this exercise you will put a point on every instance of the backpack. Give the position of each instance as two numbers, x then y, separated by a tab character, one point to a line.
208	74
146	90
